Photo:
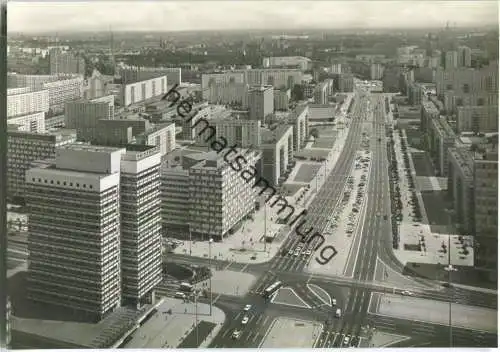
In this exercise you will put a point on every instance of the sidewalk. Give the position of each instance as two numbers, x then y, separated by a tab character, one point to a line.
165	330
411	232
248	241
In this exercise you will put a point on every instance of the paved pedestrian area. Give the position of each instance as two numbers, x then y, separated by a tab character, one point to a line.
228	282
292	333
420	309
384	339
173	322
412	233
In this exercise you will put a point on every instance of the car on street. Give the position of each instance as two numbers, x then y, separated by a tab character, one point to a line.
334	302
407	293
236	334
297	253
346	341
338	313
245	320
247	308
290	252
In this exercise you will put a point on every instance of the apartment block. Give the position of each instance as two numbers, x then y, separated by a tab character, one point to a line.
160	135
429	112
442	137
140	223
479	119
213	84
376	71
25	147
34	82
467	80
83	115
34	122
346	82
243	133
24	101
282	99
461	186
137	92
217	197
464	56
260	102
64	90
299	119
277	154
451	60
321	93
284	61
74	242
230	93
486	212
135	74
65	63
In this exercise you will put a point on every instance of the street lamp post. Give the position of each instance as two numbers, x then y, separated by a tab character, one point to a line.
210	274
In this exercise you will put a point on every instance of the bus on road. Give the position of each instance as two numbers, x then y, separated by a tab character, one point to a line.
268	292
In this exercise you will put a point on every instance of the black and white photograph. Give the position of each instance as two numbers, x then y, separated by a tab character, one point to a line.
249	174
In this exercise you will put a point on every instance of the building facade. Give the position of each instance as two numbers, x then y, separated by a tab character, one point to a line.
83	115
65	63
260	102
282	99
25	147
477	119
133	93
23	101
74	242
140	224
34	122
277	154
243	133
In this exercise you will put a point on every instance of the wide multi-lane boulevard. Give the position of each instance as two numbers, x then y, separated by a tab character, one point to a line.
353	294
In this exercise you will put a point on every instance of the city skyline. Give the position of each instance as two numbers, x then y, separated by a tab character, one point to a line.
31	16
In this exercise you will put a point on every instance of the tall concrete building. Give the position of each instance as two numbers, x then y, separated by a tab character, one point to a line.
464	56
260	102
442	137
230	93
83	115
299	119
65	63
141	244
277	153
23	148
346	82
321	93
243	133
451	60
25	101
486	212
140	91
74	242
376	71
282	99
477	118
203	197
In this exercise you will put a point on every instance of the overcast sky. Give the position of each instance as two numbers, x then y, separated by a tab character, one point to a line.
46	16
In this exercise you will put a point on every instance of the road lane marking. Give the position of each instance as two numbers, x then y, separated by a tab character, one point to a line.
311	287
268	330
304	304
